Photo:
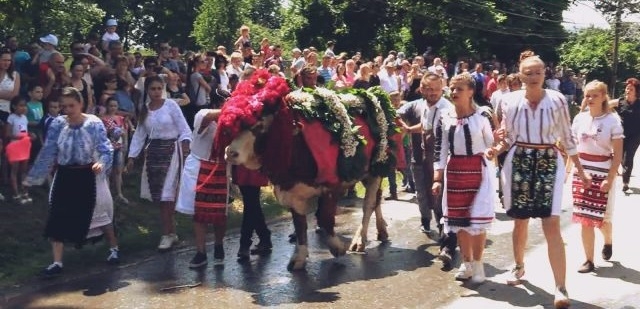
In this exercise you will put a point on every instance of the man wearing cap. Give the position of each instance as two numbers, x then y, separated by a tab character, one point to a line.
49	43
298	61
110	34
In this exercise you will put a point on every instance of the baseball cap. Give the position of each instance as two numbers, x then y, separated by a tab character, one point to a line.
50	39
111	22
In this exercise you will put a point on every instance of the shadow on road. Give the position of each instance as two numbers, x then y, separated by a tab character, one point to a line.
524	295
619	271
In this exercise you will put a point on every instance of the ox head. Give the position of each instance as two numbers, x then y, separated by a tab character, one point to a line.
247	148
245	120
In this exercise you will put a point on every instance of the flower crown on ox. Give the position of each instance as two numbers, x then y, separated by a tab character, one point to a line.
252	98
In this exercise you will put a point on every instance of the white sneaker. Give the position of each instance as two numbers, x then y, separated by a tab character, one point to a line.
478	272
167	241
465	272
1	197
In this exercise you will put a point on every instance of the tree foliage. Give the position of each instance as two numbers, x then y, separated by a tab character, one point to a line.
30	19
591	50
218	22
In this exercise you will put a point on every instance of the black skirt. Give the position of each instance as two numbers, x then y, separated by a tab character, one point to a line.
71	204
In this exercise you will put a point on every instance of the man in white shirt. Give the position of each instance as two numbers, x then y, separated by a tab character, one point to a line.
298	61
430	107
388	78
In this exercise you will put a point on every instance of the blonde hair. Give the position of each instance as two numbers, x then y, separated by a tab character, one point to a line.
529	60
466	79
601	87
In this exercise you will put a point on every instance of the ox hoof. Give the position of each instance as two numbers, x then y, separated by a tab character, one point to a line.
383	236
336	246
296	265
357	248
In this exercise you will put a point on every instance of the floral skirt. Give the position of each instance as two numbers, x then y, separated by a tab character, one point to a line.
532	181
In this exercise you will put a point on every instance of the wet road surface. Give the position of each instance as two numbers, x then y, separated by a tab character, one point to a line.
402	273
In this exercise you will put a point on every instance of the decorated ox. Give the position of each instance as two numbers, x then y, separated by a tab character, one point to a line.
312	143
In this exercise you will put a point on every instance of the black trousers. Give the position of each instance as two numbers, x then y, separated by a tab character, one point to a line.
629	148
252	217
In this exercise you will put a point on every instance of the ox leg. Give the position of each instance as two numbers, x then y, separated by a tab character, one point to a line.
381	224
327	206
299	258
371	198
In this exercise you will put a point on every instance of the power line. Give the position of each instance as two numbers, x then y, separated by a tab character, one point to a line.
512	13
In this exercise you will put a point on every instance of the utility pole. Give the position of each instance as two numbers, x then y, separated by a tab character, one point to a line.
616	43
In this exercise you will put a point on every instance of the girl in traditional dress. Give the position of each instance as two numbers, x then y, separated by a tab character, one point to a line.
598	134
164	135
462	137
80	204
535	120
204	188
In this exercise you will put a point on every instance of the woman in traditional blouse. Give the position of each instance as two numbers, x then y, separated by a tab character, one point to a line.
161	123
462	136
598	134
535	121
80	204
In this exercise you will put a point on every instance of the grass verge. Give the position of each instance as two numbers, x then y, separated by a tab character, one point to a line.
24	251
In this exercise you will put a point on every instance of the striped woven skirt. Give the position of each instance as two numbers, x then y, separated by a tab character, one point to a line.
592	207
212	189
163	163
463	177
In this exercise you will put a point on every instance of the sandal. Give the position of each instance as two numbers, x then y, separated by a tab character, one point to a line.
516	274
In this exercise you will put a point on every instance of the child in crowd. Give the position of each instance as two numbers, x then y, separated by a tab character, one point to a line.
35	109
35	112
19	148
117	128
53	111
110	34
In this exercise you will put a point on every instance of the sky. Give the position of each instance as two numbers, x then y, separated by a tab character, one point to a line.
583	14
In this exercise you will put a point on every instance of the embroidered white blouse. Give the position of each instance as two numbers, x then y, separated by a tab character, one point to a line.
72	145
593	135
166	122
471	135
548	124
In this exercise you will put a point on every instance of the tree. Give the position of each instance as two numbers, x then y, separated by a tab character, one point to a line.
217	22
30	19
590	50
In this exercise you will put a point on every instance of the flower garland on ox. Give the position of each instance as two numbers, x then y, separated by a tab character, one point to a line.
264	95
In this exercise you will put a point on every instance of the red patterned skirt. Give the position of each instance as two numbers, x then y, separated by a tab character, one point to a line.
464	177
591	206
211	193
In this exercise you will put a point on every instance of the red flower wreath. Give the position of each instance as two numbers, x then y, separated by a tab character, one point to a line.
247	105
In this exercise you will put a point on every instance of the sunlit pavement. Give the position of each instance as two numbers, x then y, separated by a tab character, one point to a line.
401	274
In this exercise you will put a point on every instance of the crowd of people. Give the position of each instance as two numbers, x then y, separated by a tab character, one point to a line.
89	120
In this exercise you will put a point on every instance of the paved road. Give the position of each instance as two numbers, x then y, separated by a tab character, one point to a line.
399	274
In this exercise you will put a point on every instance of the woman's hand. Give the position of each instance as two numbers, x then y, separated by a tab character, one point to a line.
436	188
498	135
490	153
97	168
586	179
186	149
605	186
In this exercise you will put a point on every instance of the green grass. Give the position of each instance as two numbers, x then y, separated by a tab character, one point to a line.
25	251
